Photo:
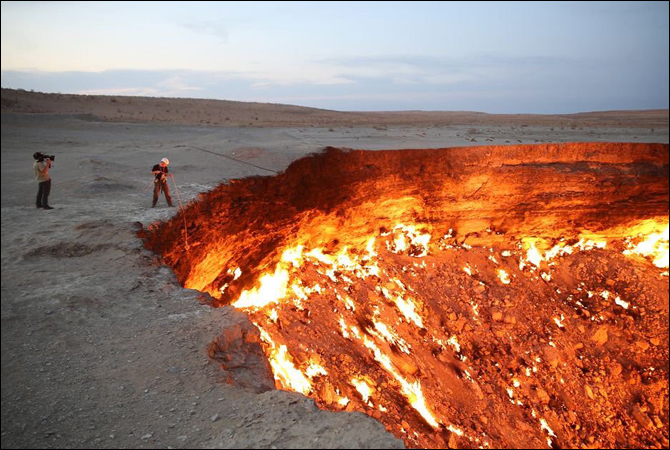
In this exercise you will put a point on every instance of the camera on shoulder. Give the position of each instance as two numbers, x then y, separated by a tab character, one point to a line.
39	156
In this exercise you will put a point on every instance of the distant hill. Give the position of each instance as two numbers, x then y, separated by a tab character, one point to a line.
226	113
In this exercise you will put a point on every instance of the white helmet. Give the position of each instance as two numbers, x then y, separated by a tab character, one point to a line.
165	161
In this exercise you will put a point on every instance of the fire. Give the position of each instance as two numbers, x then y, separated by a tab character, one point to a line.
559	322
363	388
654	246
412	391
408	309
533	255
504	276
315	369
453	341
409	240
286	372
545	427
360	307
283	288
272	289
621	303
385	333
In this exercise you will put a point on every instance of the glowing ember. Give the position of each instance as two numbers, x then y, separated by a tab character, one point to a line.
454	343
504	276
545	427
621	303
559	322
533	255
363	388
510	392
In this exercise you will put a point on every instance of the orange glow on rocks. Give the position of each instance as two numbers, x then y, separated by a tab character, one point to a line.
455	295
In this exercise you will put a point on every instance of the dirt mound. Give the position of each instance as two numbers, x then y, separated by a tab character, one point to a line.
224	113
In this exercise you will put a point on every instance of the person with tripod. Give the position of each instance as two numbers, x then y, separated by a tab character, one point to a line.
160	172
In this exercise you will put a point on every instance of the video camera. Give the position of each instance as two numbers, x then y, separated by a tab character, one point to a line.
39	156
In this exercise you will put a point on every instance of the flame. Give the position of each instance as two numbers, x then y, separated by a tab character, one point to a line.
402	281
315	369
287	374
363	388
545	427
590	244
408	309
389	336
621	303
292	256
587	242
285	288
533	255
407	238
504	276
654	245
454	343
412	391
272	289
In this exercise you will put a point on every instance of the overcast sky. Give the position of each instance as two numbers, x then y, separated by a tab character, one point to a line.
498	57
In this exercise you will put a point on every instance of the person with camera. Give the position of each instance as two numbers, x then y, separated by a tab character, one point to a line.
160	172
42	165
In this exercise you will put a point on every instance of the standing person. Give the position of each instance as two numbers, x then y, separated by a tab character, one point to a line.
42	165
160	171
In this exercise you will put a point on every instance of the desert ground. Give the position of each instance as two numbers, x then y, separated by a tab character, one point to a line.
101	346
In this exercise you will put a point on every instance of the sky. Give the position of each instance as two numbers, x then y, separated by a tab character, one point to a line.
495	57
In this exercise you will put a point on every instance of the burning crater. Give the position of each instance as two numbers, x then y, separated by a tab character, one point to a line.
464	297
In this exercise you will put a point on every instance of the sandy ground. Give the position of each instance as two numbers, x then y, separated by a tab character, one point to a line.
101	347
